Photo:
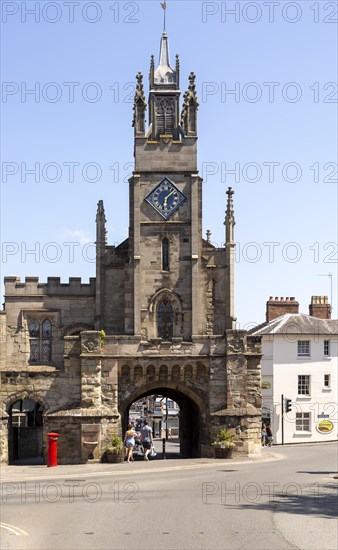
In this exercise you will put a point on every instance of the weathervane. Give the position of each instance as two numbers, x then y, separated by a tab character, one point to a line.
164	6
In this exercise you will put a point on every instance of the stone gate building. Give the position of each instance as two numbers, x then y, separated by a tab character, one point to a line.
157	318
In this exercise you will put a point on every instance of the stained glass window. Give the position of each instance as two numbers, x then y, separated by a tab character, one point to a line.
165	320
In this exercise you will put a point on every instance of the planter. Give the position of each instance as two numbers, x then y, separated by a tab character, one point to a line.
113	457
223	452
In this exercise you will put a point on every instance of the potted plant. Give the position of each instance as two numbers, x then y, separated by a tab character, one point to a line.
223	444
113	452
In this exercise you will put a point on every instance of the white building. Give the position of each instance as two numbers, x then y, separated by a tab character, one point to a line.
299	364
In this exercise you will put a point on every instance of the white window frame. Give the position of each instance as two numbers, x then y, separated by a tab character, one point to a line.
327	348
304	382
302	344
327	378
305	418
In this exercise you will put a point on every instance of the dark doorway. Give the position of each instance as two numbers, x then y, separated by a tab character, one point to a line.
25	438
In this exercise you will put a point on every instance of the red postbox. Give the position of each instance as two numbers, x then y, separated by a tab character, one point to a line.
52	449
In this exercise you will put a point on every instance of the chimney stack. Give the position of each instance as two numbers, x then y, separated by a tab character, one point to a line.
279	306
320	307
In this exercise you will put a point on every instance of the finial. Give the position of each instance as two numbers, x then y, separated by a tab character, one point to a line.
177	70
208	235
230	218
192	78
190	107
100	221
100	210
140	104
164	6
139	78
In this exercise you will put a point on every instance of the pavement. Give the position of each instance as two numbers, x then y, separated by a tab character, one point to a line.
24	472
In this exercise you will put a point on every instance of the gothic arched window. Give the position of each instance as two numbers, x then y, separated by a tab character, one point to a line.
165	320
165	255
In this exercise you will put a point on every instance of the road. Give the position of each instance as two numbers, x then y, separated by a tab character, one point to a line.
286	501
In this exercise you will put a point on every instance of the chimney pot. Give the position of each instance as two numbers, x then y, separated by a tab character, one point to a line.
320	307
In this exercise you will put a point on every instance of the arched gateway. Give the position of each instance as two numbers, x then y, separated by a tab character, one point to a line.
161	304
192	414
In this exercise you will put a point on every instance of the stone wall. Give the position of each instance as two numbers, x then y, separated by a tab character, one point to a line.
215	379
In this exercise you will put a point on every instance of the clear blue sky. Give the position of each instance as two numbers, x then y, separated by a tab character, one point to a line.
292	123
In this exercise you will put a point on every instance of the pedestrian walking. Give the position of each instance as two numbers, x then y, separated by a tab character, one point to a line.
263	436
269	435
147	439
129	442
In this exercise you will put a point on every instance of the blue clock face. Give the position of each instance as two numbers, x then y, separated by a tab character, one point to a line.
166	198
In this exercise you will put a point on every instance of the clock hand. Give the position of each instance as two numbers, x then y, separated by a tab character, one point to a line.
167	197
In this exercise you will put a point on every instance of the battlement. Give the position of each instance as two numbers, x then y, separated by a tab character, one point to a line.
32	287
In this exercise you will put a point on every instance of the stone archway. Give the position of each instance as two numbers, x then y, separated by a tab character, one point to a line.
190	419
25	430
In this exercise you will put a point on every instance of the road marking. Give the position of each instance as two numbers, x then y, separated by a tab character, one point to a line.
13	529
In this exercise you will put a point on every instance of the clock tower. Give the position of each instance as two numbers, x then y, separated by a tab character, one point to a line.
164	297
158	319
180	284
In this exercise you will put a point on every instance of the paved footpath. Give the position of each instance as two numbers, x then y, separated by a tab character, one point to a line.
19	473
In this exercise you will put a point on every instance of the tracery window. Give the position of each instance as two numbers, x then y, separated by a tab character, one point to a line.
165	320
40	340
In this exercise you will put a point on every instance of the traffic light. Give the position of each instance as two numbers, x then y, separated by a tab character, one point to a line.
288	405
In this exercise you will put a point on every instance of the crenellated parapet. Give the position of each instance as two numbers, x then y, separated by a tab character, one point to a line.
32	287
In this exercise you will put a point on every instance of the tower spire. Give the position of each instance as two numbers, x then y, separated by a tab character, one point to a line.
164	73
164	92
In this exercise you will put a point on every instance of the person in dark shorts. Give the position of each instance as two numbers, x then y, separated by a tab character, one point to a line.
269	435
147	439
